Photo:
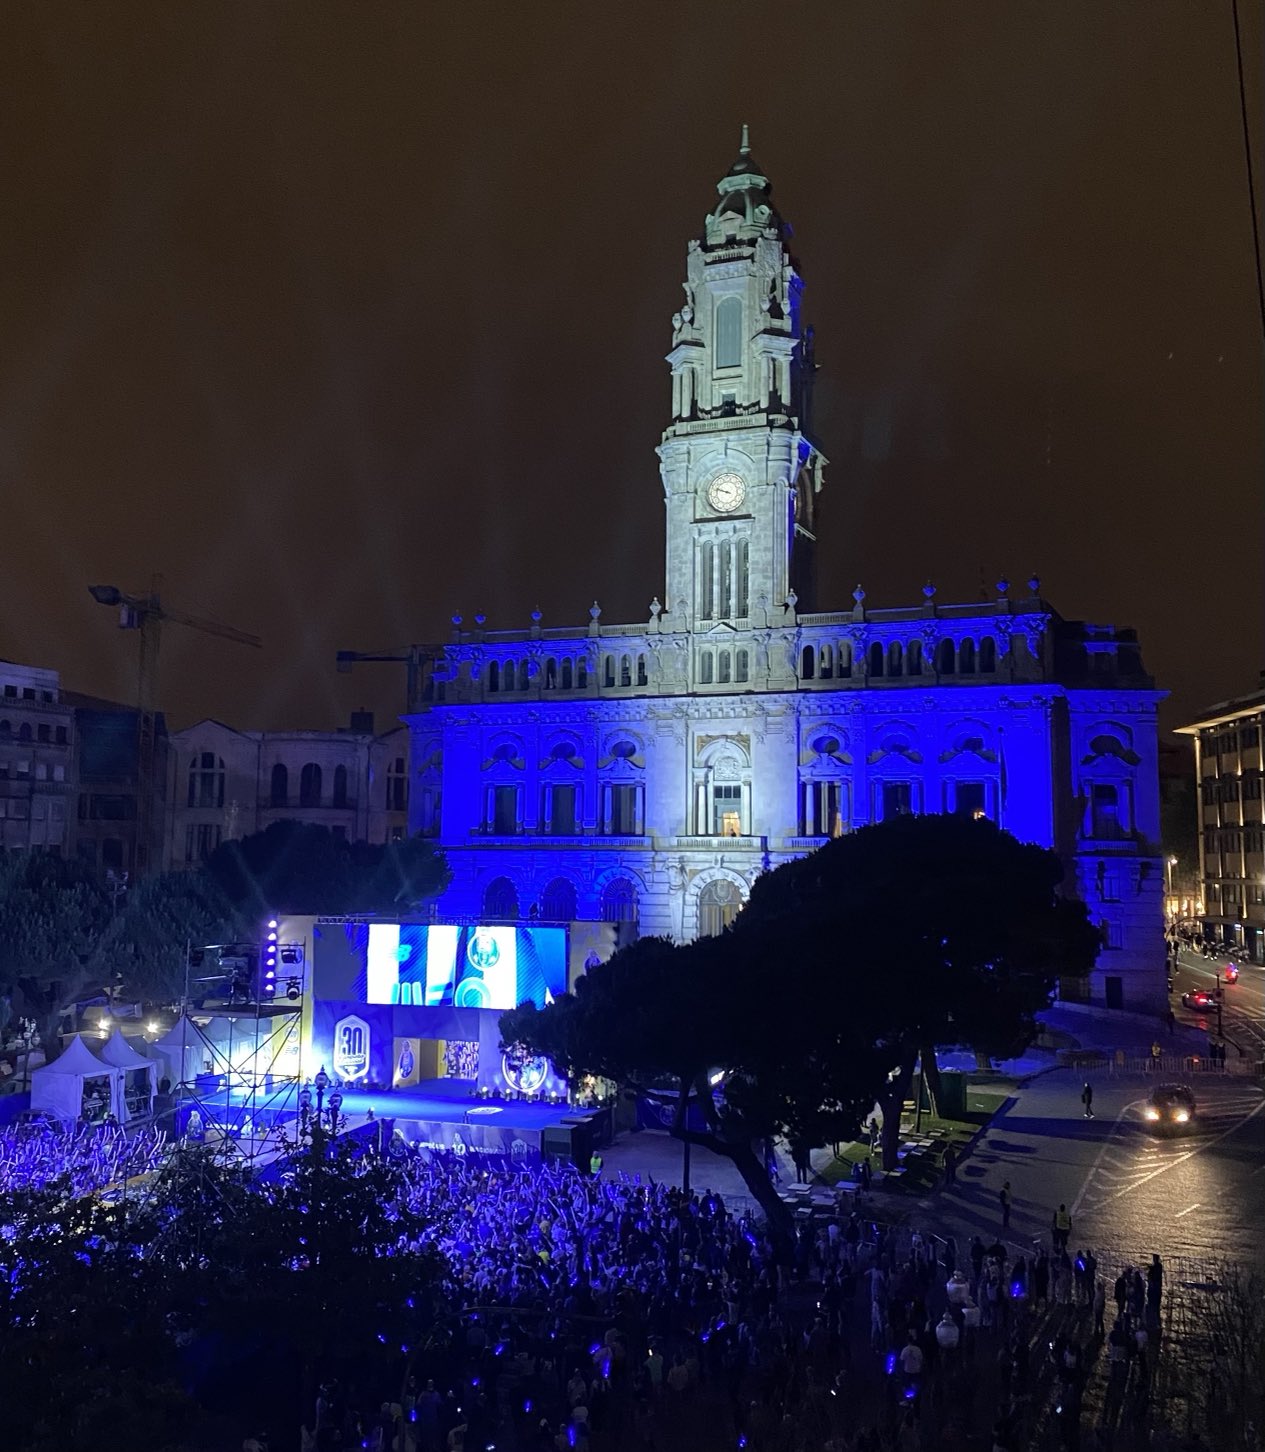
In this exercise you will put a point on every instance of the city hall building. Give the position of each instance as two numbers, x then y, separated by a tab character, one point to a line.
645	774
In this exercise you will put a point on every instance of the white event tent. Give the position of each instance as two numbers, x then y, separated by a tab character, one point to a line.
78	1083
140	1075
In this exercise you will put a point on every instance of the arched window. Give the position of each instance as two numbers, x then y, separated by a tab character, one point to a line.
723	664
966	658
206	779
551	674
845	660
987	655
913	658
826	662
729	332
742	578
310	785
608	670
895	659
742	666
24	731
340	786
581	674
705	668
707	580
876	659
494	676
807	664
557	902
524	676
944	658
625	670
279	786
643	678
500	899
726	562
718	905
568	675
397	786
619	901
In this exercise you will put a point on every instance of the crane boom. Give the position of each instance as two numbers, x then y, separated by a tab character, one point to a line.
146	615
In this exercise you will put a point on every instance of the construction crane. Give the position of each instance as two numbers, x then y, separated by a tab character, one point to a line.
147	614
414	657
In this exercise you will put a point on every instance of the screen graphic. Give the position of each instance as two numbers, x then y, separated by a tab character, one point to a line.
440	965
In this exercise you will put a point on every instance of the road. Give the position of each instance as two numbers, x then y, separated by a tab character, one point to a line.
1129	1191
1242	1007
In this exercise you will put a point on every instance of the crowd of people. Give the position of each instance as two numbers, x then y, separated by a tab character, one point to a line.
613	1310
81	1159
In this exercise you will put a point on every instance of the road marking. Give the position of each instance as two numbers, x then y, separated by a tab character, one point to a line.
1186	1211
1168	1164
1076	1204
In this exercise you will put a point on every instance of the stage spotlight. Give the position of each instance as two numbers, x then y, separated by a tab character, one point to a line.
294	989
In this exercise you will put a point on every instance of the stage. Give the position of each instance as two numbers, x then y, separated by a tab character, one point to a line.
440	1114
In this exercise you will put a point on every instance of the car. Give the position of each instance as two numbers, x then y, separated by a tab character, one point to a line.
1169	1106
1199	998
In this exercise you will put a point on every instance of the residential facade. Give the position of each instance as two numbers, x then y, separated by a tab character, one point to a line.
1229	780
37	760
646	773
226	784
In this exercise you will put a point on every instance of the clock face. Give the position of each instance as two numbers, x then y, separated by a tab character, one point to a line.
726	492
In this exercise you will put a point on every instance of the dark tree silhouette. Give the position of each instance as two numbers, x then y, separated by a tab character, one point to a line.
722	1026
296	867
942	930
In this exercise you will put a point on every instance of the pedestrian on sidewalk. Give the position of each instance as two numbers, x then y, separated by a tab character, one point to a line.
1087	1099
1005	1197
950	1166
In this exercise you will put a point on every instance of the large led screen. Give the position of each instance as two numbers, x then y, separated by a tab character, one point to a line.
438	965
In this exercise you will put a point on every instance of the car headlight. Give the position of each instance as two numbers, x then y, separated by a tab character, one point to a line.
1152	1114
1181	1115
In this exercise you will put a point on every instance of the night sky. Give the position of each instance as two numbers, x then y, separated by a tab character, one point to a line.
347	317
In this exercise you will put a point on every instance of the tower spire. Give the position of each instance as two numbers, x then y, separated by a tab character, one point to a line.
745	148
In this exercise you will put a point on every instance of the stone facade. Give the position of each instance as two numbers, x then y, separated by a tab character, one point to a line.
1228	773
227	784
646	773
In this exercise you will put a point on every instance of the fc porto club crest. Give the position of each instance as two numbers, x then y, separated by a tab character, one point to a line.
350	1056
524	1072
483	951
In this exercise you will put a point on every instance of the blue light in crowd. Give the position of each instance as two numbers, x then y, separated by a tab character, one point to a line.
910	1393
1016	1290
891	1363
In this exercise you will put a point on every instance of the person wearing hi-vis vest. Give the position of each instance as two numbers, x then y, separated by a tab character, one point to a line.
1061	1225
595	1164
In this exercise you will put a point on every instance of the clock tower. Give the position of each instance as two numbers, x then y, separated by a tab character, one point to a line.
741	474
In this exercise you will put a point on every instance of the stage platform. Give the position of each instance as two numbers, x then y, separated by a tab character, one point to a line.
440	1114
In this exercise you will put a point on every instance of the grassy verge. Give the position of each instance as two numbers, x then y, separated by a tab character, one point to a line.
924	1170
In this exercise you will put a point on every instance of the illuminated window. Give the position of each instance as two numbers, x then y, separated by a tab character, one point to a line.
727	810
971	799
719	904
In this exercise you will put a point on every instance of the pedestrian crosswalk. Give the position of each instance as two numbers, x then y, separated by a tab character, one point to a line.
1132	1156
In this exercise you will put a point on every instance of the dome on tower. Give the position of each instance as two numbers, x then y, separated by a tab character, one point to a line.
744	194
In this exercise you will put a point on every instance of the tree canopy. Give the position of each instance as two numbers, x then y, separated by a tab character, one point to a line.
843	967
296	867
